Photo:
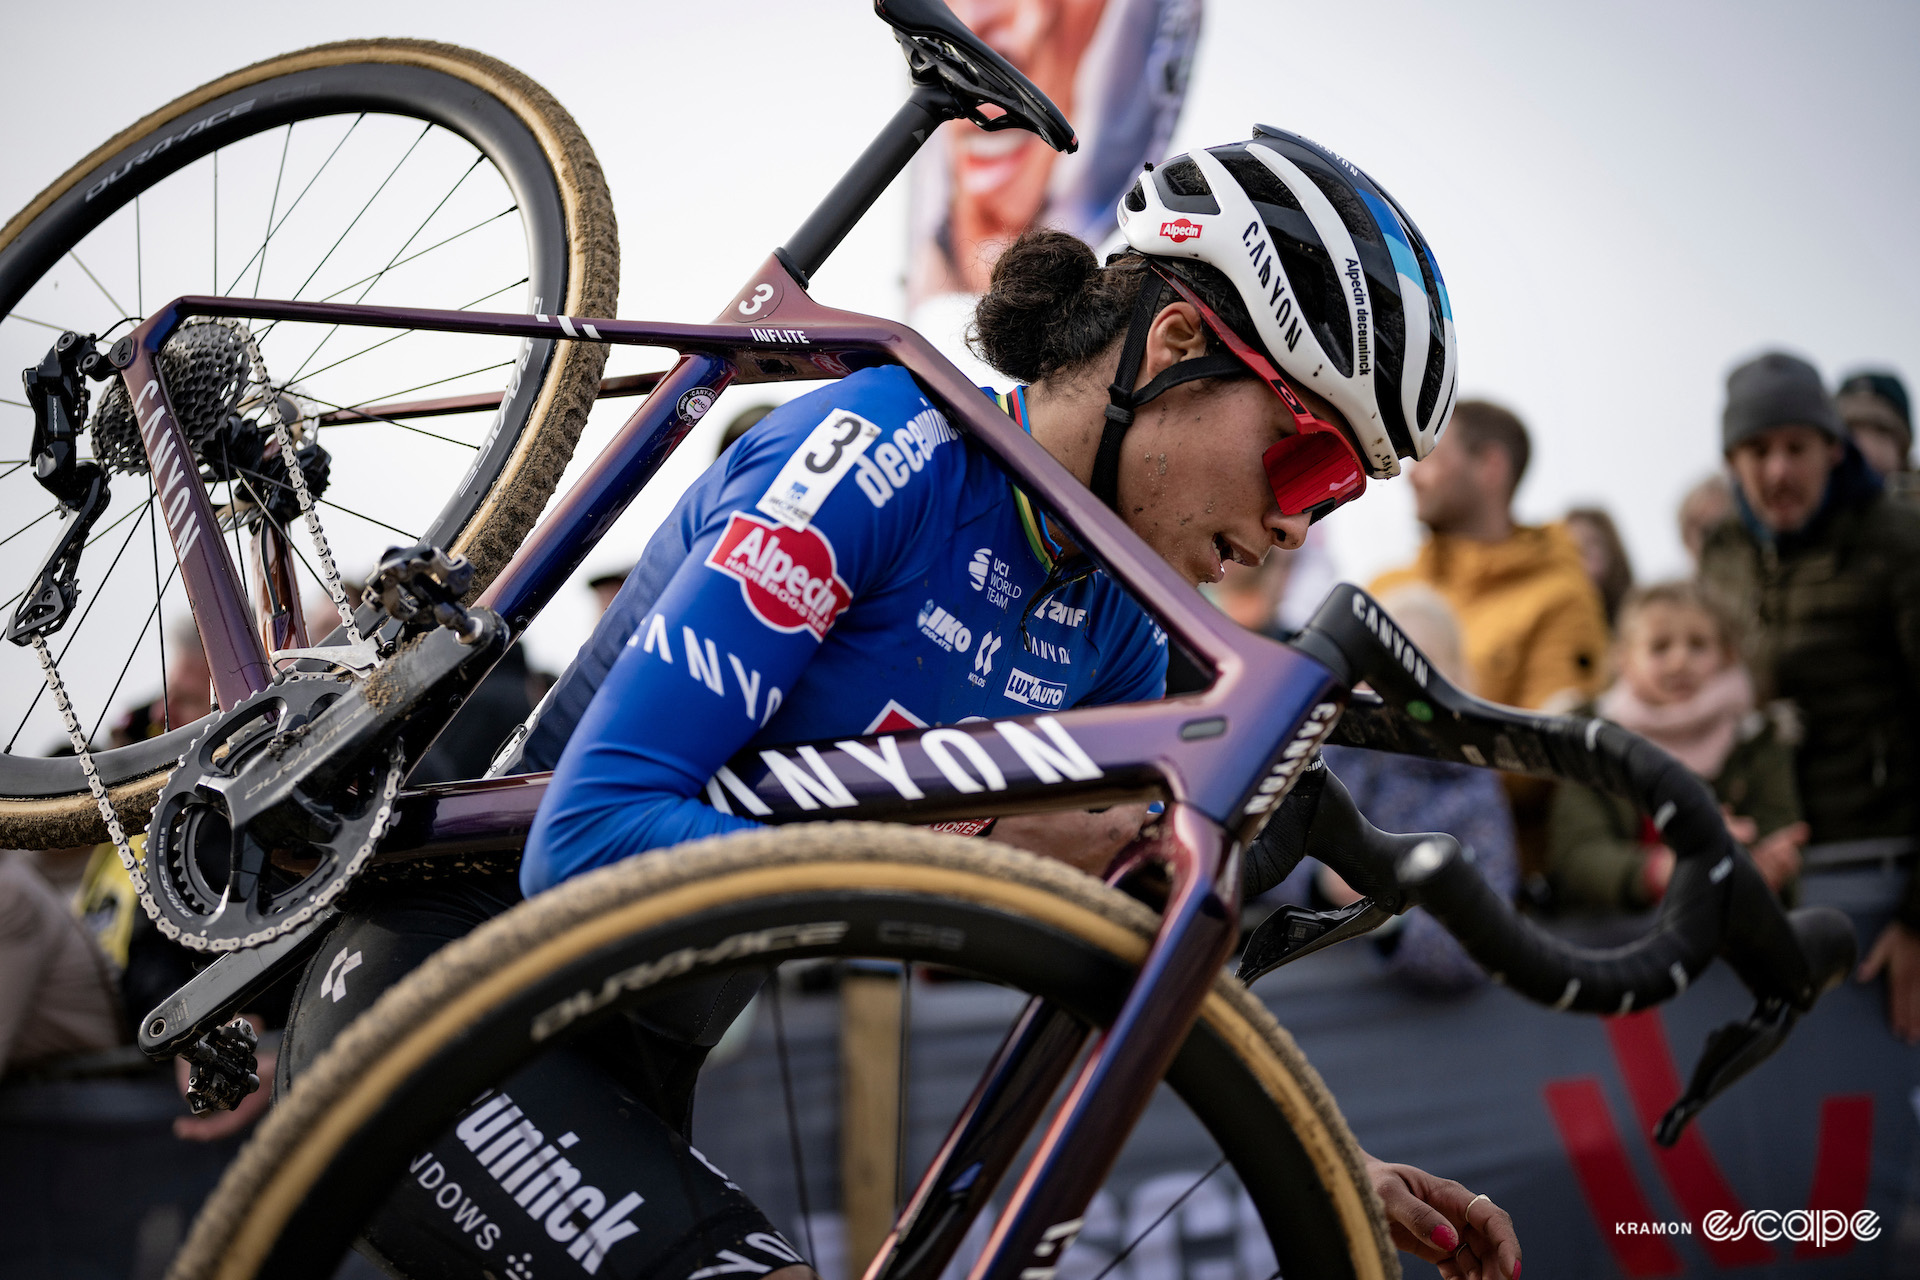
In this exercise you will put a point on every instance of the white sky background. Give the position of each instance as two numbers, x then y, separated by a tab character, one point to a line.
1625	201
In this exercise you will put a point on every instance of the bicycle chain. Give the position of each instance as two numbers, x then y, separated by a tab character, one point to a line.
316	902
296	477
58	688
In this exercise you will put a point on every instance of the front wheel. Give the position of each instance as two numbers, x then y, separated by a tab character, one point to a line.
484	1007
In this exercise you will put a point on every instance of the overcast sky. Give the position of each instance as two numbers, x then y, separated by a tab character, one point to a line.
1626	199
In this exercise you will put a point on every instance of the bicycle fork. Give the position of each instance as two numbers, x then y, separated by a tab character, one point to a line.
1113	1088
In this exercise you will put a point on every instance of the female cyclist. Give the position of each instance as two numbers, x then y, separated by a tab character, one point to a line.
907	581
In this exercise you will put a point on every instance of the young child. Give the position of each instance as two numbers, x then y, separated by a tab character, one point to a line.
1681	686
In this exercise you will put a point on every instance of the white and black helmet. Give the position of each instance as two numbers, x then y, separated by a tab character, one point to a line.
1342	289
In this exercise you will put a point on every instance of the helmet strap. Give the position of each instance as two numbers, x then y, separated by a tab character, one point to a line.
1123	400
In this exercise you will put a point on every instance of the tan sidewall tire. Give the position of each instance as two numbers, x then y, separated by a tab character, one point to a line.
527	479
267	1182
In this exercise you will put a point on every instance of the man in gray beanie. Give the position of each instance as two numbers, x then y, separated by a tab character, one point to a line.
1825	571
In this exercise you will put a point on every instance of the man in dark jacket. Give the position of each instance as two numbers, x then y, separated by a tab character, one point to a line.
1826	569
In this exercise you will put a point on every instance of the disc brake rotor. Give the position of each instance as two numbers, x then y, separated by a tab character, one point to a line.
213	888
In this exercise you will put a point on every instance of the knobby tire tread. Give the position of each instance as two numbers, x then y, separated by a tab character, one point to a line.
266	1183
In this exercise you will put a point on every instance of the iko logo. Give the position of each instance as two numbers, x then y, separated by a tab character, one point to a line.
944	629
543	1182
977	568
1054	611
1033	691
1180	230
983	660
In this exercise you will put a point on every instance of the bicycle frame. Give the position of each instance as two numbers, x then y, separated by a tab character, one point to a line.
1219	758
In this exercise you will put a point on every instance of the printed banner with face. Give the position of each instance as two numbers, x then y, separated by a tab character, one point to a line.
1117	68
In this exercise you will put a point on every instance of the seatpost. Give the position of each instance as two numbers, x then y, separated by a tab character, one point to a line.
926	108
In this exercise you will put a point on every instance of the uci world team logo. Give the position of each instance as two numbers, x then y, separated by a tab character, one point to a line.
787	576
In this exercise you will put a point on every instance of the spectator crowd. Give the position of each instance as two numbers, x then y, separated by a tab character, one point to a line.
1785	672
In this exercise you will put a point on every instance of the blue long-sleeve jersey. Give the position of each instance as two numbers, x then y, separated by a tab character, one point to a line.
851	565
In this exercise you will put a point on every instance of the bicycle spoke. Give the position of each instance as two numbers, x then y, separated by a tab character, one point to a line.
281	529
18	404
159	594
455	377
374	417
15	315
381	273
273	207
23	528
96	282
484	222
793	1119
425	129
275	230
323	502
404	333
98	593
10	470
128	666
1165	1213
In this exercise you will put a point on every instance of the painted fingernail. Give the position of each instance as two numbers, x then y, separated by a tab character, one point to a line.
1443	1235
1516	1271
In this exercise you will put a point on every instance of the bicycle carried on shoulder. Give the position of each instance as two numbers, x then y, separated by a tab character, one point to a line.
229	420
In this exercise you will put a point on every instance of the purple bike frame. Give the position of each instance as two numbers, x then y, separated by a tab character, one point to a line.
1220	758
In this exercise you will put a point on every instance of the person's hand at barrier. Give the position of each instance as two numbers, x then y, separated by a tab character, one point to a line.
1897	952
1467	1236
1778	856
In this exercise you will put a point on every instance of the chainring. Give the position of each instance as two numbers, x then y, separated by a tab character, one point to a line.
195	859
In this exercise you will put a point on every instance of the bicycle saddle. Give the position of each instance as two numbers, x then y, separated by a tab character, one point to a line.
941	50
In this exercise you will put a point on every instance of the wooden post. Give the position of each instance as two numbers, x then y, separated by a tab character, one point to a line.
870	1108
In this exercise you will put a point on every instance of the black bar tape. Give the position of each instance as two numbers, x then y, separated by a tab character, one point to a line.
1716	903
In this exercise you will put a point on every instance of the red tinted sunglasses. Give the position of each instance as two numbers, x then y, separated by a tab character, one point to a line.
1312	471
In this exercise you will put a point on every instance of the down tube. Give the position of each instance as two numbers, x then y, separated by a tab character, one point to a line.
589	509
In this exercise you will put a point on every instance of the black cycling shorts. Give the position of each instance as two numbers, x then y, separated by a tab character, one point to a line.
580	1163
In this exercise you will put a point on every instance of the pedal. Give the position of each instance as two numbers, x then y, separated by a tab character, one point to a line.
421	586
224	1067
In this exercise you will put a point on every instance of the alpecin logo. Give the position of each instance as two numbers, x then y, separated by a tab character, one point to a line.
1180	230
787	577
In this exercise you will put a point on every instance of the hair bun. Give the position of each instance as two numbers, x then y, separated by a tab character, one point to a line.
1029	323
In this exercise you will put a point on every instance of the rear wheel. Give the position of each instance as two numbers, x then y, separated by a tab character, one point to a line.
1254	1113
382	171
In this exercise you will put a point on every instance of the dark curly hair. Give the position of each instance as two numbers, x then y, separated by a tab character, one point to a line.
1050	307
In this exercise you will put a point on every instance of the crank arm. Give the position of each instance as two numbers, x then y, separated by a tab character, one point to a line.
441	667
1292	932
222	989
